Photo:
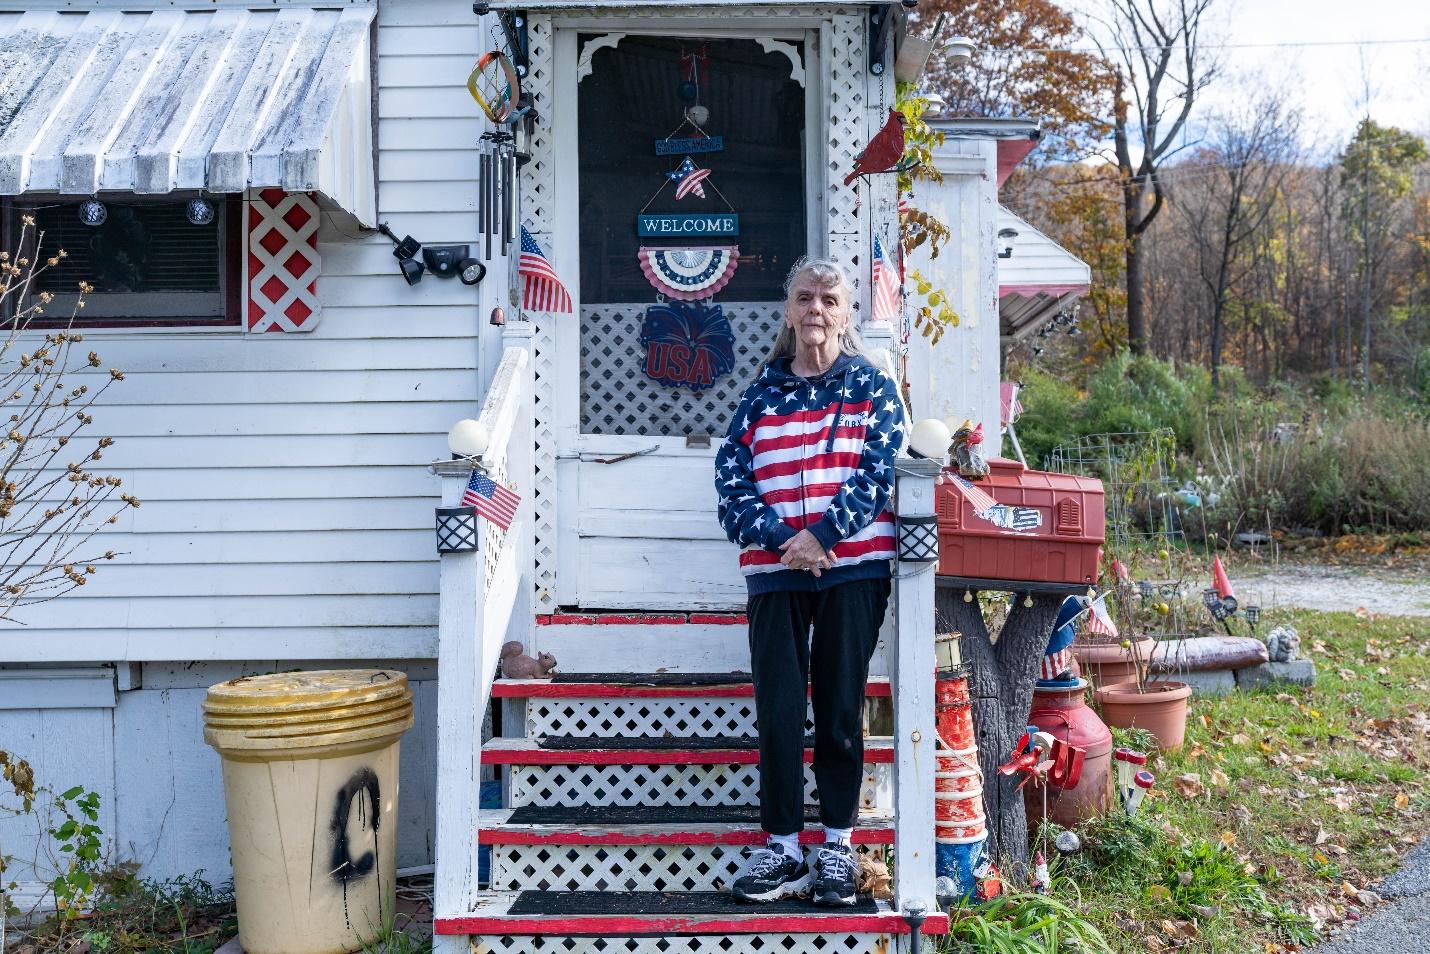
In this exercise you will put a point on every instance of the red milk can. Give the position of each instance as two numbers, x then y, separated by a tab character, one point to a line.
1061	712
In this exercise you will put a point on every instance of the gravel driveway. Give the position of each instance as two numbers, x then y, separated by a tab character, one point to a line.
1344	588
1400	927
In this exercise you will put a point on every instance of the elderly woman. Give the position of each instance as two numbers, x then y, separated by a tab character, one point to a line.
804	477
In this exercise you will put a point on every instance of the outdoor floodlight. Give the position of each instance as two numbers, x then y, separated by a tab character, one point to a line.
93	213
468	438
1005	238
471	271
406	254
199	211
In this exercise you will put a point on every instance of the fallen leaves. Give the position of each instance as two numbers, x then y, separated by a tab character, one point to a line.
1189	785
1341	801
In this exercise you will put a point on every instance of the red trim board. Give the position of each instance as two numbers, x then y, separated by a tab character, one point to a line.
641	619
608	925
531	689
879	753
591	836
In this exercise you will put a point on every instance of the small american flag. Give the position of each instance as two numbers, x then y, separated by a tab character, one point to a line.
888	302
492	500
982	502
541	289
1097	619
687	179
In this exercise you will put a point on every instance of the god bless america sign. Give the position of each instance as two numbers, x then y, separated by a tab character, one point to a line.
682	224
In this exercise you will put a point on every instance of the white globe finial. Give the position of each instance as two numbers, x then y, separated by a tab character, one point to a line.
930	438
468	438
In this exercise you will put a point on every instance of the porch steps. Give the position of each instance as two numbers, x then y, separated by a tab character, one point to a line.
633	799
666	685
671	848
693	750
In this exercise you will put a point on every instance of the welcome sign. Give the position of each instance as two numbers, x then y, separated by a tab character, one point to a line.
681	224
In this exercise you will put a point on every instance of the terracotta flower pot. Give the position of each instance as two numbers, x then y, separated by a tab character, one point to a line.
1106	664
1161	709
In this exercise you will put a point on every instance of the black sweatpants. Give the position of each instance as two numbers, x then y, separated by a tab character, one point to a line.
783	658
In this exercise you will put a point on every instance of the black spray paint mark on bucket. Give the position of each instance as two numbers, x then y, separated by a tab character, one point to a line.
363	790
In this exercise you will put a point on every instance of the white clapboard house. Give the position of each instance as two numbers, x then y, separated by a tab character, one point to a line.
287	393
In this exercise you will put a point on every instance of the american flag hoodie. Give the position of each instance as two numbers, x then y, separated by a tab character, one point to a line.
816	454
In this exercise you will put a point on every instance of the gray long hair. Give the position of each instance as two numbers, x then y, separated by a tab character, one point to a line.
826	273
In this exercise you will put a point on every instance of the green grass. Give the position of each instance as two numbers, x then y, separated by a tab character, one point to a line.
1304	791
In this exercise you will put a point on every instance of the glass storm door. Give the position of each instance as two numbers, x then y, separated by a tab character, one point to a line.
640	421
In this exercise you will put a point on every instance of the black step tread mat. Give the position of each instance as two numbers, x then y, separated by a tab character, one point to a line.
578	903
566	743
657	678
578	815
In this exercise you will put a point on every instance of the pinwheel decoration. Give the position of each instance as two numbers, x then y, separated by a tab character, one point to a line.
687	344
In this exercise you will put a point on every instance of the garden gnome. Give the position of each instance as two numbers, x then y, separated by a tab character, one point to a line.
515	664
968	450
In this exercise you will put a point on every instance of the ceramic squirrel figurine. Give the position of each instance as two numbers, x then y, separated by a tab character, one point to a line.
1283	644
515	664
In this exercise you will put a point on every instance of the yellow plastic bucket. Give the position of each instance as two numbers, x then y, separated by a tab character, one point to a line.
310	782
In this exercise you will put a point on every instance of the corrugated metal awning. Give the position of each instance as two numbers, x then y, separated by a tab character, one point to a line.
1040	278
220	100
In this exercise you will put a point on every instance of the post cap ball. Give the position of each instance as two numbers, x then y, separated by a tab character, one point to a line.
468	438
930	438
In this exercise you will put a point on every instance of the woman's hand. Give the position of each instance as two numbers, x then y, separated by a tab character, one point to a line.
803	551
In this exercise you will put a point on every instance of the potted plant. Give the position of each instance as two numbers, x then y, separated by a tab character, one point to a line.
1158	706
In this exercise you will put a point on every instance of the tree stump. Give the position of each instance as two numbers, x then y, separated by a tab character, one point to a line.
1001	676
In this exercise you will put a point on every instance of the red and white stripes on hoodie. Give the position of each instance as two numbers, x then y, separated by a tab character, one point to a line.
817	454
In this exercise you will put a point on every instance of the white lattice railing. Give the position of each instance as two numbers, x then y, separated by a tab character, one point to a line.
485	598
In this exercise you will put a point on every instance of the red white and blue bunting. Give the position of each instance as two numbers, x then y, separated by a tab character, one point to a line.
689	274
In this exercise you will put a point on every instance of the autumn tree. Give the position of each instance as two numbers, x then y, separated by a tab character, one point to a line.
1236	185
1376	179
1028	64
1160	70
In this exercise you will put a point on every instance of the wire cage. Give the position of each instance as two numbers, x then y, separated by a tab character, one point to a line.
1136	469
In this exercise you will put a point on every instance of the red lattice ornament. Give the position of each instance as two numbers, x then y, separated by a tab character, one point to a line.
283	262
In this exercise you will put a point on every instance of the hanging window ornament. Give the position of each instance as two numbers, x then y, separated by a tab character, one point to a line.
689	179
93	213
693	73
689	274
687	344
199	211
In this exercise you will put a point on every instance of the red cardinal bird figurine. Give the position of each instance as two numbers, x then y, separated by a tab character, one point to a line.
884	150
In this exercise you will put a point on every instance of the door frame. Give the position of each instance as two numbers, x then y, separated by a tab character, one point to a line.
571	445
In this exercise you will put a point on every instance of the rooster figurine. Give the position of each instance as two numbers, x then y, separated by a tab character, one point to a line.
968	452
884	150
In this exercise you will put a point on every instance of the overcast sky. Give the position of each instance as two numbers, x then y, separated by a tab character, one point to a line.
1329	81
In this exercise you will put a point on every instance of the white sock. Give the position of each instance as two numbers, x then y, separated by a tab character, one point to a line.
838	835
789	844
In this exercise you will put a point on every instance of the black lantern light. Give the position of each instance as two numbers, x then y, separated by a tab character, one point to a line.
1006	238
456	529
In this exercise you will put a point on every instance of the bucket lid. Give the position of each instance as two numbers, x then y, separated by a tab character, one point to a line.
307	710
288	692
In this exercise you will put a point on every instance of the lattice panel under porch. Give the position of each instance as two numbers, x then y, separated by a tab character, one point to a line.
643	718
770	943
620	867
618	398
724	784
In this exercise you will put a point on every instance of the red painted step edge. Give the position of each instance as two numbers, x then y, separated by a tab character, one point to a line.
610	690
872	754
751	836
883	923
640	619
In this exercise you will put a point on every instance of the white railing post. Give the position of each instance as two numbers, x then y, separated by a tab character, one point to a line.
462	582
521	474
911	672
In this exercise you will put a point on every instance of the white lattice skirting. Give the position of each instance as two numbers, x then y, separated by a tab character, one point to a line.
643	719
631	785
619	867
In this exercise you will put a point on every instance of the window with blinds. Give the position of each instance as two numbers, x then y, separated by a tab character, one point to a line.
148	264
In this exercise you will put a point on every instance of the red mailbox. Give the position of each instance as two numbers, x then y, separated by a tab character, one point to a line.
1020	524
